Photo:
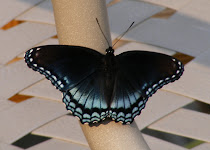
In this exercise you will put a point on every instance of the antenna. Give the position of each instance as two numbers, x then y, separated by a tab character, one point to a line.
102	32
119	37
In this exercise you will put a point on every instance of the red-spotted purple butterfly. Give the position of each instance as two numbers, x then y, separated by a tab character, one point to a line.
97	86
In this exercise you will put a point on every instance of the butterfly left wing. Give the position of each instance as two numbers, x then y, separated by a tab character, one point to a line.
140	74
75	71
63	65
87	100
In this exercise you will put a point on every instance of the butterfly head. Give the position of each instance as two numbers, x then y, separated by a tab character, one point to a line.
110	50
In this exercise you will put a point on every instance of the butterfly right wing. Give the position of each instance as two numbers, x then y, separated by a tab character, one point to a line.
140	74
75	71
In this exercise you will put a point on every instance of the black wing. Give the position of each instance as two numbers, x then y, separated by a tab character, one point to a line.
140	74
75	71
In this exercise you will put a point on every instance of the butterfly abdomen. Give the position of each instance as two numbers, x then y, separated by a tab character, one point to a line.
109	71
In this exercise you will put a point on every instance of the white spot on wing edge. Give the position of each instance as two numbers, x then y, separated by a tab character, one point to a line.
62	86
35	65
173	76
54	77
167	78
154	86
160	81
48	72
41	68
177	72
38	48
173	59
31	50
59	82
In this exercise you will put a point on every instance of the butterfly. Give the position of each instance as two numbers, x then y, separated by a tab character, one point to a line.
97	86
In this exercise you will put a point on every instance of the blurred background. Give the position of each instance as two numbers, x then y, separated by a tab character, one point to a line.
32	115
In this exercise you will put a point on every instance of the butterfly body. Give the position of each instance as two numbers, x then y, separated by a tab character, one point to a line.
97	86
109	71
